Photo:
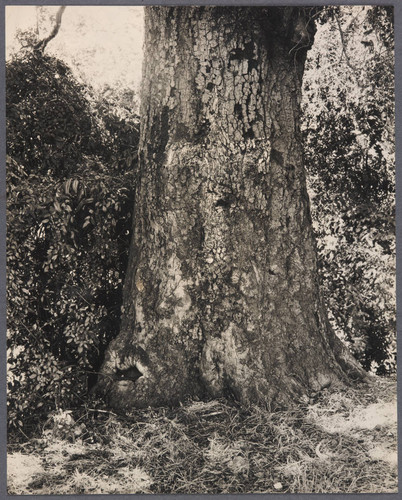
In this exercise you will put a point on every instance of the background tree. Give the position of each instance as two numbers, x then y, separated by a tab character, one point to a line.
221	292
41	45
102	45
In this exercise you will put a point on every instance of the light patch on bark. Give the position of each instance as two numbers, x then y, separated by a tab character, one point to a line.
138	281
223	362
176	301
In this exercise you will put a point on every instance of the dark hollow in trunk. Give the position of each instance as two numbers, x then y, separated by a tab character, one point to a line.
221	294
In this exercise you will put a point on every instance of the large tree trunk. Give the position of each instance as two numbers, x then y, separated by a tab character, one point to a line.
221	294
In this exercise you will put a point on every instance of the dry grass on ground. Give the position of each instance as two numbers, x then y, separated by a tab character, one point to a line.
337	443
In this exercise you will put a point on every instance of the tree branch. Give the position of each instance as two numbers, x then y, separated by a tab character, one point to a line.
343	42
40	46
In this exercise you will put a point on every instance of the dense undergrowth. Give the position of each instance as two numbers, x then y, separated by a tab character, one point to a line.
348	128
334	442
71	157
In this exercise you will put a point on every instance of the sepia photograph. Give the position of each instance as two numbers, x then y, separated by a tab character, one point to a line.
201	263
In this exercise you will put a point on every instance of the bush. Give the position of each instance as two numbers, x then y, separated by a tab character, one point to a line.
349	152
49	121
68	224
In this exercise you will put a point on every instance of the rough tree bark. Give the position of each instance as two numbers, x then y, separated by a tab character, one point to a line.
222	294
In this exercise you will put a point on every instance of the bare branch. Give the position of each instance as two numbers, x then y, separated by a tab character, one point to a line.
40	46
343	42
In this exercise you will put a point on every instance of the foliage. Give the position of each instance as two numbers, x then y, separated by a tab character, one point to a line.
333	443
120	130
348	129
68	223
49	123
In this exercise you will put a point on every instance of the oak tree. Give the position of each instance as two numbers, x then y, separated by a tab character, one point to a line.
222	293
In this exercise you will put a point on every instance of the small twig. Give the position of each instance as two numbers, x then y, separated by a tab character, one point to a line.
22	432
102	411
29	331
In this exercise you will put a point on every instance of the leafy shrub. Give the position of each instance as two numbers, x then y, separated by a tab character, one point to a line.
120	133
68	224
49	121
